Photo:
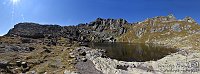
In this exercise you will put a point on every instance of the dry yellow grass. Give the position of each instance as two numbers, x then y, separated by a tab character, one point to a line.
57	60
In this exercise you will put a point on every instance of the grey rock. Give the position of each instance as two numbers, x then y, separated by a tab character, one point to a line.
71	55
26	40
24	64
187	27
122	31
2	46
176	27
140	32
87	68
122	67
4	64
171	17
33	72
84	59
16	48
157	29
198	32
189	19
69	72
82	53
18	63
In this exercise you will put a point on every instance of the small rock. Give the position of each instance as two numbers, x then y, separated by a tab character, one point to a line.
45	73
18	63
2	46
71	55
24	64
122	67
31	48
3	64
47	50
33	72
26	40
84	44
84	59
73	62
83	53
69	72
78	49
66	72
68	48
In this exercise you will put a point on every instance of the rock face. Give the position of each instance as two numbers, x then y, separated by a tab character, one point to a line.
104	30
99	30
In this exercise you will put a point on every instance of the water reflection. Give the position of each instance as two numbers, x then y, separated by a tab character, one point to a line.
133	52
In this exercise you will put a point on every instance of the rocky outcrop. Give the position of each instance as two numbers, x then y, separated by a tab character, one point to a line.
104	30
99	30
189	19
82	62
33	30
168	18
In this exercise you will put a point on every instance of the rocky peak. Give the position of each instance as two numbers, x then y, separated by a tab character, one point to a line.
109	21
168	18
171	16
189	19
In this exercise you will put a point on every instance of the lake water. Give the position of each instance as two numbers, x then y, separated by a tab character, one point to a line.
133	52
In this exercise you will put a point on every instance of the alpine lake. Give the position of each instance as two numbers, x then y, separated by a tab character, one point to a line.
131	52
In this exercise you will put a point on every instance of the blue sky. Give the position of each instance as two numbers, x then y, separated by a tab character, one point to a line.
73	12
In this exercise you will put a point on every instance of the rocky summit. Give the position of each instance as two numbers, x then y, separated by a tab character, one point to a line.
38	48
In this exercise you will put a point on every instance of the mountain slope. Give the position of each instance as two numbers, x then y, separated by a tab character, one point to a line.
163	30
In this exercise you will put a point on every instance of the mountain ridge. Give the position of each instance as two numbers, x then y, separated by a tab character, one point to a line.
46	48
107	30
